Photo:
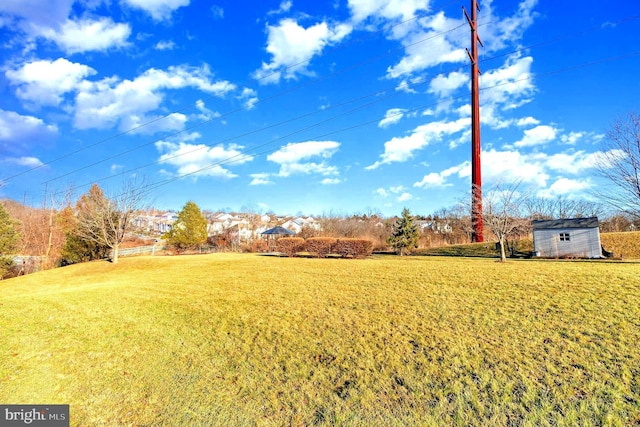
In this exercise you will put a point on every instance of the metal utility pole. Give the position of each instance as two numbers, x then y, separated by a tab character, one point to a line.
476	169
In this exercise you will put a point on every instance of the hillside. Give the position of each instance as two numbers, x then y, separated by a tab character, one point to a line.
623	245
244	340
626	245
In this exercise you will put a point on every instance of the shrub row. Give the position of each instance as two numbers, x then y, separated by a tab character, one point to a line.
324	246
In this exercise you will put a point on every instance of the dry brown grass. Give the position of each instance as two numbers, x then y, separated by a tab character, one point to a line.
626	244
245	340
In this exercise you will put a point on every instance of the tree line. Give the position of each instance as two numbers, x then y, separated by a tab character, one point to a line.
96	225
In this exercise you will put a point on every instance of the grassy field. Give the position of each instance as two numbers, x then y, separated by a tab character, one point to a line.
623	245
247	340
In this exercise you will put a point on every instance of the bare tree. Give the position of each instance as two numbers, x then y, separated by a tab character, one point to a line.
620	164
560	207
105	221
40	232
502	213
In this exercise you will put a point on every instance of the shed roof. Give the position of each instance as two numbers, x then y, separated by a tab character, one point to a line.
541	224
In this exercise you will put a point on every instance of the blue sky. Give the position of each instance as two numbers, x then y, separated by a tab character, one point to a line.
339	107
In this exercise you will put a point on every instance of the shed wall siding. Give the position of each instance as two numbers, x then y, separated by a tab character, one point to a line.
584	242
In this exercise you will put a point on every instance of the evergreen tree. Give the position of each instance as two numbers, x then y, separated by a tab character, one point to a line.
405	233
8	240
190	229
77	249
106	221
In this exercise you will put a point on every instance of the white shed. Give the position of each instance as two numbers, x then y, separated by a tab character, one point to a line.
576	237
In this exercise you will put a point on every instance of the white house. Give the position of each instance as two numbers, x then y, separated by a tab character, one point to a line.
576	237
298	223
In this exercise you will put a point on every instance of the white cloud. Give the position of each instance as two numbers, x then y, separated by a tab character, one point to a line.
116	168
31	162
330	181
430	41
298	151
574	163
217	12
431	180
18	131
535	170
295	158
159	10
381	192
260	179
538	135
406	86
392	116
609	159
55	12
565	186
527	121
387	9
440	49
45	82
401	149
285	6
165	45
404	197
202	160
572	138
399	192
249	97
205	113
510	85
87	35
505	31
435	179
127	103
292	46
443	85
513	166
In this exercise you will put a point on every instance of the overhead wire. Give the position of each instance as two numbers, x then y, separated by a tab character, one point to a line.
153	186
164	159
208	97
290	90
316	80
280	94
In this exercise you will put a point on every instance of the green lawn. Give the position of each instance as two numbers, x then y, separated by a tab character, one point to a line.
244	340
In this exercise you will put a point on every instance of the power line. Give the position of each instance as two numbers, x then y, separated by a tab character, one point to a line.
377	93
277	95
194	104
293	90
249	152
153	186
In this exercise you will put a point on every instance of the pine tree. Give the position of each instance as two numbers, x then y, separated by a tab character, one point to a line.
106	221
8	240
190	229
405	233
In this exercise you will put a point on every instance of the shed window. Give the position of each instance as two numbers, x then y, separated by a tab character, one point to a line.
565	237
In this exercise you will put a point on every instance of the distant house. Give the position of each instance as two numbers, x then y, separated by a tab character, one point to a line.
298	223
438	227
577	237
